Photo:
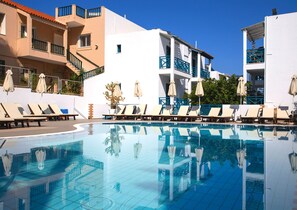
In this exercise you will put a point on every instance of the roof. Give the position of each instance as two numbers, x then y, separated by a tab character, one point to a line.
203	53
255	31
31	11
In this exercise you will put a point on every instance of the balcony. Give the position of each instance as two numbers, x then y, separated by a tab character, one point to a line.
255	55
41	50
204	74
75	15
255	100
179	64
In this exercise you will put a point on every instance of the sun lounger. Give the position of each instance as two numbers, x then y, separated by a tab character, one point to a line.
213	113
193	114
136	112
37	112
251	115
155	112
181	114
119	110
56	110
127	112
282	115
13	111
267	114
166	113
226	116
5	121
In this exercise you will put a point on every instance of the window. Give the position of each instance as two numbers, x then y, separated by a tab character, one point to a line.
23	31
2	24
119	48
85	40
34	33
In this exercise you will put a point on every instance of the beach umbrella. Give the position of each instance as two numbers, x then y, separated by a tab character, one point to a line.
137	149
293	87
8	82
7	162
240	155
199	89
137	90
40	156
293	161
187	149
172	92
241	91
41	85
116	146
171	151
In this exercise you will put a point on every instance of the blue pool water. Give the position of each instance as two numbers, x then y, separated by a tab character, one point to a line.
152	166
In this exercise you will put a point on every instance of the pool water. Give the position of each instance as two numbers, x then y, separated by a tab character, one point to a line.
152	166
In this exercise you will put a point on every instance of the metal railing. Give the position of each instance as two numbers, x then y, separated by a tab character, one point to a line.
80	12
57	49
95	12
255	55
39	45
93	72
179	64
255	100
74	60
194	71
64	11
27	78
204	74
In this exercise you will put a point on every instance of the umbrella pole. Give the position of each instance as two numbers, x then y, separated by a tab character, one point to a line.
199	102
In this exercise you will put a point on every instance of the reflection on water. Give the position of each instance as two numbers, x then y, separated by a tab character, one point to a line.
138	166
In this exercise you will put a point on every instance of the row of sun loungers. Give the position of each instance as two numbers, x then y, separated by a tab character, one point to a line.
14	113
185	113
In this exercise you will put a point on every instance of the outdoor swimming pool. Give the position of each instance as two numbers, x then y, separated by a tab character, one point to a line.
152	166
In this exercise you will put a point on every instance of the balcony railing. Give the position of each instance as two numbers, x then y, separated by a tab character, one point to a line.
57	49
255	100
179	64
74	60
95	12
204	74
39	45
194	71
255	55
64	11
80	12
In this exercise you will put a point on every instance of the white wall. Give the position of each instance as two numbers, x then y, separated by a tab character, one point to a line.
281	62
139	60
115	24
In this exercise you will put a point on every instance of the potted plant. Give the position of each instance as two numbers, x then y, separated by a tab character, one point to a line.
113	95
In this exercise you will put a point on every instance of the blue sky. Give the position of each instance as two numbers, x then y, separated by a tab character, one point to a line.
215	24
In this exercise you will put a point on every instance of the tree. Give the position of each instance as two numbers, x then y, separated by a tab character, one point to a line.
222	91
110	96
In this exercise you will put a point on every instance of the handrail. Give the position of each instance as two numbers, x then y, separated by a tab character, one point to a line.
39	45
80	12
93	72
74	60
57	49
84	57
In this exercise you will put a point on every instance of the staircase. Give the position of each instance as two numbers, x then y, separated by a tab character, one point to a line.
75	64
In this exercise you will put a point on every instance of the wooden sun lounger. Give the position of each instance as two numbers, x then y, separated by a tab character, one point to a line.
119	110
139	110
282	115
155	112
37	112
213	113
56	110
13	111
127	112
251	115
267	114
5	121
226	116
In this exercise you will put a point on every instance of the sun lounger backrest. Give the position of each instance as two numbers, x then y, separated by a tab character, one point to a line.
214	111
129	109
268	112
157	110
35	109
252	112
45	109
166	110
227	112
183	110
194	111
21	109
12	110
55	108
120	109
141	109
282	114
2	111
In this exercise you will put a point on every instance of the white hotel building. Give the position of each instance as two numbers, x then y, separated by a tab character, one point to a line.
270	65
